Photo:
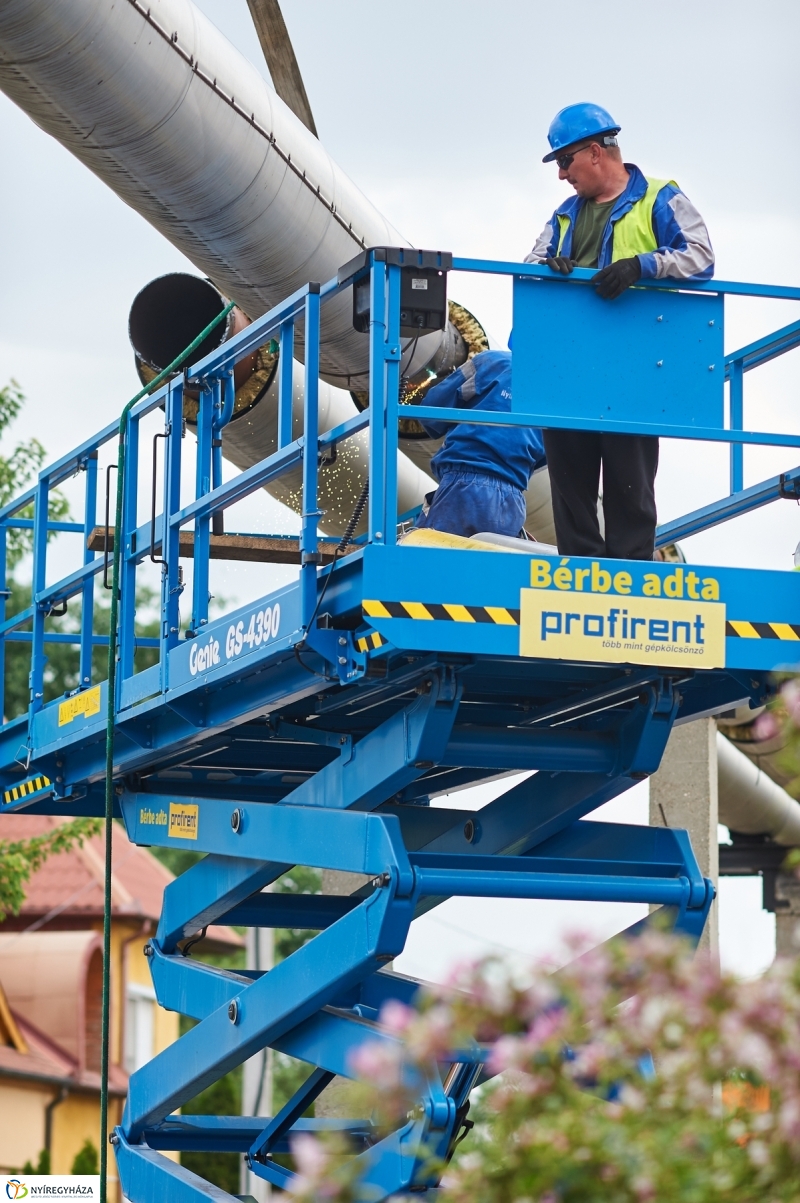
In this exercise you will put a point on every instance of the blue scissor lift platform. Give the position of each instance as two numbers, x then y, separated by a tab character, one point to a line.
313	726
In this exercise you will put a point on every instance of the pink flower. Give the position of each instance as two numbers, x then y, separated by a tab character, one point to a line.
766	726
312	1160
377	1064
396	1016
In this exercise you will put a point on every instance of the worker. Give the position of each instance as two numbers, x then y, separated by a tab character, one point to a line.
632	228
483	471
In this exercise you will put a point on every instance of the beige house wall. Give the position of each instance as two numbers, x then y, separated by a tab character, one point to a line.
77	1118
22	1111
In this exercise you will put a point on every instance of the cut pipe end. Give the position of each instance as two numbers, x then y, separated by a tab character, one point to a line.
167	314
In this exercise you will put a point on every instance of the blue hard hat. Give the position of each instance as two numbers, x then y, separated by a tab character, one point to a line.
576	122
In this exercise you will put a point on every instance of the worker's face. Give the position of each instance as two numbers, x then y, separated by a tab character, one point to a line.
584	173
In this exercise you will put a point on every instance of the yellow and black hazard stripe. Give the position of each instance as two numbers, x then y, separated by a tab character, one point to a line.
502	616
370	642
34	785
762	630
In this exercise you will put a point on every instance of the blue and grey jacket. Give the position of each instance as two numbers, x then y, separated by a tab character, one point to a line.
509	453
652	219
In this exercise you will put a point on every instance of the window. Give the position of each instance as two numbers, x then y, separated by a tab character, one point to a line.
140	1004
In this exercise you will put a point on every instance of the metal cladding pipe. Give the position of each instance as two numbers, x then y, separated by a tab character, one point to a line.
169	312
750	802
155	101
765	749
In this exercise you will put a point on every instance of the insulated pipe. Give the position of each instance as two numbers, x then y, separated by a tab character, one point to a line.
155	101
750	802
169	312
765	749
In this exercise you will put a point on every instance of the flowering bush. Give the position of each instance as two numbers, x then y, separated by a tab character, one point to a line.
636	1073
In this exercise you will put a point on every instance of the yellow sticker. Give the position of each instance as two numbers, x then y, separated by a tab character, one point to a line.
624	630
86	703
184	819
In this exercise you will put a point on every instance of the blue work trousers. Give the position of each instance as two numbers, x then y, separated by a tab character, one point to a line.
467	503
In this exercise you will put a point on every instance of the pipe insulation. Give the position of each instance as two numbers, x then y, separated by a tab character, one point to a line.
155	101
750	802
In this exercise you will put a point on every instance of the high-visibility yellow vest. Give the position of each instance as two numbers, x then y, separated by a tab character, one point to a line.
633	232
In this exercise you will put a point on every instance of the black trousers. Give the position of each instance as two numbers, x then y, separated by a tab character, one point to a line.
629	466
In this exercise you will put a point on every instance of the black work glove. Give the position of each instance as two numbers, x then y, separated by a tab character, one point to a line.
612	281
560	263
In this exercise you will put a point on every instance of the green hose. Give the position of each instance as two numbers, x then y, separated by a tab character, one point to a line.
110	720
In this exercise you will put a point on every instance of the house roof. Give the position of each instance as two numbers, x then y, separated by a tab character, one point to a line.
68	889
27	1053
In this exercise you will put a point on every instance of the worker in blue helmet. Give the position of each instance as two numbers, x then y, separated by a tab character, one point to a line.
631	227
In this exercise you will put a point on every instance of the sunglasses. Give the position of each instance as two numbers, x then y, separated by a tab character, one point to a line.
565	161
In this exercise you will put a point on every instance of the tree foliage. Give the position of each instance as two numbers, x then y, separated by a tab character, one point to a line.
637	1074
17	470
21	858
86	1160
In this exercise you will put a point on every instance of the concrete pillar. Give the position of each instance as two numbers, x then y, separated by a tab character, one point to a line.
787	918
257	1071
683	793
332	1103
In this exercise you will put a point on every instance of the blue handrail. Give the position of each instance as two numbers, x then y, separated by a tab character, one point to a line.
212	377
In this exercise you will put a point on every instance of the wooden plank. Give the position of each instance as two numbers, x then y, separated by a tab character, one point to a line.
260	549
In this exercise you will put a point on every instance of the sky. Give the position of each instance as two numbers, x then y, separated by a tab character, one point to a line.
439	111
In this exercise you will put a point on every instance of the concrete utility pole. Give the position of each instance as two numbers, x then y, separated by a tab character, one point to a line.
787	919
683	793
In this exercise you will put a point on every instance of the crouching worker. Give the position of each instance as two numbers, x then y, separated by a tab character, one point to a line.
483	471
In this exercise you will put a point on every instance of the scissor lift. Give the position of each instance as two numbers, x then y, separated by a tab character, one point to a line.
313	726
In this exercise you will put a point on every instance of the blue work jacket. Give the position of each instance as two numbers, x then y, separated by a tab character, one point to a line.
656	222
510	453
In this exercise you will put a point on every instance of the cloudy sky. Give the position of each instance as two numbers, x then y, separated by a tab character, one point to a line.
439	111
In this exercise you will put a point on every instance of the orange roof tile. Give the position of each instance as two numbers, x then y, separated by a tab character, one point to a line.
47	1060
70	885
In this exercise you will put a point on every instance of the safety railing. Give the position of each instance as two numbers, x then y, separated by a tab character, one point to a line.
212	378
50	600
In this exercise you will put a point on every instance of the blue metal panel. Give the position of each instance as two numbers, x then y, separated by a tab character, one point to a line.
352	841
657	355
440	577
252	632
